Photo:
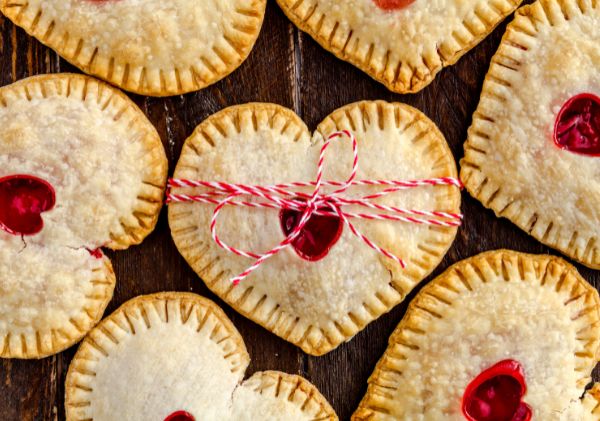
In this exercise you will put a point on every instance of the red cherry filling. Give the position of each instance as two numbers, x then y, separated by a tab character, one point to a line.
22	200
577	126
180	416
318	236
496	394
392	4
96	253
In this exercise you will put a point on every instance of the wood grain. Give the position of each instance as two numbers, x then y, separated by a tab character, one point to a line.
286	67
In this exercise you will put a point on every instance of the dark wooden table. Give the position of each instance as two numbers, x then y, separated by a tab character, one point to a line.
286	67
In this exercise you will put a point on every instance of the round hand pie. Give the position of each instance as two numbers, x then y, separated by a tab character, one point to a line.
533	151
328	284
176	357
80	168
152	47
401	43
502	336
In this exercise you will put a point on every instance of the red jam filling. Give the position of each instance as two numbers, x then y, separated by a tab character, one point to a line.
496	394
97	253
23	198
392	4
180	416
577	126
318	236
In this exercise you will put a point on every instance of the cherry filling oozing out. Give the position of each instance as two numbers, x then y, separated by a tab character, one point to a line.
318	236
180	416
23	198
496	394
392	4
577	126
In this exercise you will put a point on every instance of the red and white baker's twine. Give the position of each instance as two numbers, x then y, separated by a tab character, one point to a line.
284	196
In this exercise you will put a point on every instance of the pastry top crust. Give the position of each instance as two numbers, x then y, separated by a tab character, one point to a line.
404	48
96	148
151	47
165	352
535	309
108	168
550	52
316	305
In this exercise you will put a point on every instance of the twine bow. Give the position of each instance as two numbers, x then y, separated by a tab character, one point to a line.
285	196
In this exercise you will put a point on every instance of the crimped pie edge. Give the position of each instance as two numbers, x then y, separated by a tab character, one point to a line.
144	82
312	339
405	79
295	389
231	342
453	281
479	184
94	346
58	339
120	107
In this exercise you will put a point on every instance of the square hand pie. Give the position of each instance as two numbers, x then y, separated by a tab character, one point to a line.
177	357
533	151
151	47
328	285
81	168
401	43
502	336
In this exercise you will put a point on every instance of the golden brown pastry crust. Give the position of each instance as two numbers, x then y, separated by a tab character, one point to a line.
414	58
549	275
309	309
55	264
549	53
157	57
142	316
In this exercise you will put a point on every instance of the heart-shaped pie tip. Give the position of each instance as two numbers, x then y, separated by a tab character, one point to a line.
329	284
496	394
81	168
23	198
502	336
577	127
152	47
400	43
532	152
176	357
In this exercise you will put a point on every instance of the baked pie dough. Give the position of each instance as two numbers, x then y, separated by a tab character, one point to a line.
532	150
178	353
402	44
534	309
316	305
152	47
107	167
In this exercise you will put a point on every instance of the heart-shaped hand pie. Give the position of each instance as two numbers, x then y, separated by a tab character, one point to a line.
502	336
23	198
315	303
85	155
177	357
400	43
532	151
152	47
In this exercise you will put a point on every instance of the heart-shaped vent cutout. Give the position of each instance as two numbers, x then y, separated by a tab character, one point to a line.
318	236
23	198
497	393
577	126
